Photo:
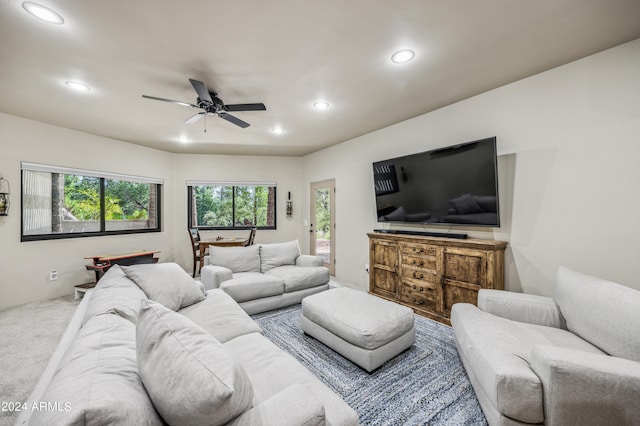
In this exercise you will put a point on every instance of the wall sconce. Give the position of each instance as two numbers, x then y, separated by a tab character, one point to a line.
4	197
289	204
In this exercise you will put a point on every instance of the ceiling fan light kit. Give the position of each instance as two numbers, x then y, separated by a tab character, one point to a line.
210	103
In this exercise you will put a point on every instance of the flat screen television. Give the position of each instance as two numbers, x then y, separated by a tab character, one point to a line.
455	185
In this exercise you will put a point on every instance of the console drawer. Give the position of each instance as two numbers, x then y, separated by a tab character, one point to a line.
423	262
418	295
419	276
419	249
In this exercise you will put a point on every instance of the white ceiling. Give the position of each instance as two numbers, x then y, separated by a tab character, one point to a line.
286	54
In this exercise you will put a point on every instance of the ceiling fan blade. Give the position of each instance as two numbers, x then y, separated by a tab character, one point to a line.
201	90
235	120
245	107
194	118
169	100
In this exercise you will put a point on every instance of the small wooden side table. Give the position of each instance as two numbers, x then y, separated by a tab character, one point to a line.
81	289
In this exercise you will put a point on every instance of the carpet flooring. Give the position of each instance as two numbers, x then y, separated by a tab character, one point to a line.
29	334
425	385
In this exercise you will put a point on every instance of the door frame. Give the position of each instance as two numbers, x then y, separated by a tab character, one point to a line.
313	186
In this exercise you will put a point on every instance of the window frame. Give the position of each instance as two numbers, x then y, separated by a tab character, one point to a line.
103	177
191	184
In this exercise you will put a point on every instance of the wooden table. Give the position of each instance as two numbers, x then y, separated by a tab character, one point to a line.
101	263
219	242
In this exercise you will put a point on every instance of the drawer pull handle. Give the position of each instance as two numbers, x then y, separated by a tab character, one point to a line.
421	302
414	286
421	288
416	275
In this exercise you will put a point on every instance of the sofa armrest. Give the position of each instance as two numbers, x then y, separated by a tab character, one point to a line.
521	307
212	276
309	260
291	406
587	388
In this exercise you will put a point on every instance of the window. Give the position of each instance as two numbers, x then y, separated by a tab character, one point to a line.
58	202
214	205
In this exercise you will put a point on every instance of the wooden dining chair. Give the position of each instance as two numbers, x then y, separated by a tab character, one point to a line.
194	234
252	237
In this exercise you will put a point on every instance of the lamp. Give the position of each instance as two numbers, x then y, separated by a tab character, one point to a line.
289	204
4	197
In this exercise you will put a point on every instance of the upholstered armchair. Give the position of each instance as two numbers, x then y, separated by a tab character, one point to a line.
570	360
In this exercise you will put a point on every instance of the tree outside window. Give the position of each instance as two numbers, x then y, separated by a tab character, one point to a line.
64	205
224	206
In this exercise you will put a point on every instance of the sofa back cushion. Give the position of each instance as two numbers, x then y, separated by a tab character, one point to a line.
166	283
278	254
97	381
191	377
116	294
236	259
603	313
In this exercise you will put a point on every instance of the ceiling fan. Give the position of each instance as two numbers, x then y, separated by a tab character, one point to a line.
210	103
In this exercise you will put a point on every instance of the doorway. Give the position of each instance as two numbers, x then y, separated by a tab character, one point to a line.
322	225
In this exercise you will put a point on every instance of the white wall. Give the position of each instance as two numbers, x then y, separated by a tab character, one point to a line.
25	266
284	171
568	145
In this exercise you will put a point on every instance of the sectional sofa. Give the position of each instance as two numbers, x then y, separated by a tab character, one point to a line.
149	345
263	277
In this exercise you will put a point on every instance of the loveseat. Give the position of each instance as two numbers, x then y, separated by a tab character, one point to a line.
149	346
570	360
263	277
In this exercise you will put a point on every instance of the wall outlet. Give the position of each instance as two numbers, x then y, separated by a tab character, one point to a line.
53	275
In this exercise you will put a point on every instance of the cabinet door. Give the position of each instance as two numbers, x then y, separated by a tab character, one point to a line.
383	268
464	274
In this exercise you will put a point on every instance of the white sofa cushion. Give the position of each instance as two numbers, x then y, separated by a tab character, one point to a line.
166	283
252	285
278	254
115	293
272	370
236	259
221	316
97	380
602	312
191	377
300	277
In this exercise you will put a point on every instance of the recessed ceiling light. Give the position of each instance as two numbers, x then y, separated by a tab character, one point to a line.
43	12
402	56
321	105
277	130
183	139
76	85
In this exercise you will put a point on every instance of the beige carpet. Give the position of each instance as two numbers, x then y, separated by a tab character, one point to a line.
28	336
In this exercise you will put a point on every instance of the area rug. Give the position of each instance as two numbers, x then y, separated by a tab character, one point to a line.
425	385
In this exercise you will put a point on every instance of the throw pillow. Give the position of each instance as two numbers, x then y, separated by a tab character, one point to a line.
237	259
278	254
166	283
191	377
97	381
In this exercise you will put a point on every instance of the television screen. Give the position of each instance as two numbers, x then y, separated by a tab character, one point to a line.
456	185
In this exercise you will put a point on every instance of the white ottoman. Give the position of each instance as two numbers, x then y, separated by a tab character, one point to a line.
363	328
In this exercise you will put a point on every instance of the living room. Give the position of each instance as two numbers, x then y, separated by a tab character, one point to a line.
567	140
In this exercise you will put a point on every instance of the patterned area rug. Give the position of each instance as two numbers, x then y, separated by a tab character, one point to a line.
424	385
